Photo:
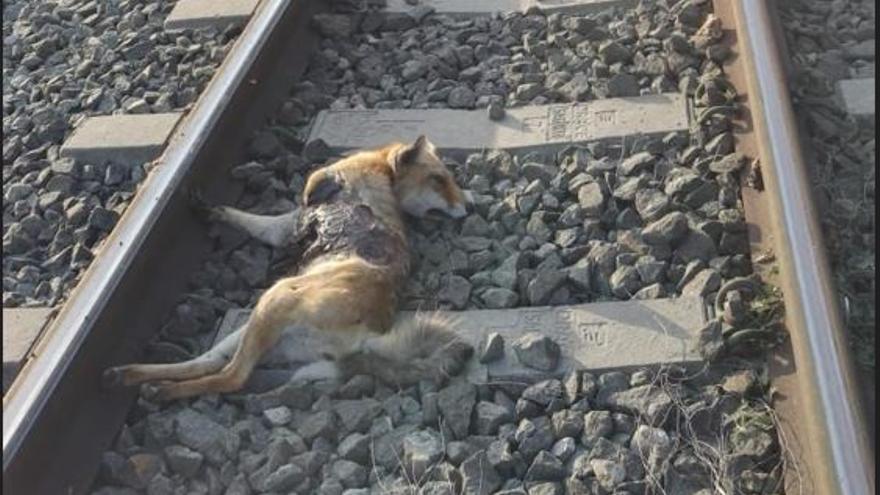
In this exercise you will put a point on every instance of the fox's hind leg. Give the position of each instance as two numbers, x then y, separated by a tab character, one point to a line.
275	310
321	300
209	362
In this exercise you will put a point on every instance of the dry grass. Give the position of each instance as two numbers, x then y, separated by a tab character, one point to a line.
716	451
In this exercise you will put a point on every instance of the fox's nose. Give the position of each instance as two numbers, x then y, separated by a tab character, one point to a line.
458	211
468	199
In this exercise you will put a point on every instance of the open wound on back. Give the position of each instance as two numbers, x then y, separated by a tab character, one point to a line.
374	243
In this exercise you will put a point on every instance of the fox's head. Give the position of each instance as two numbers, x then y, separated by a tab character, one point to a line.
423	183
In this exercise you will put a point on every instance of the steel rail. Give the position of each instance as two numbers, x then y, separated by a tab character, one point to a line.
30	392
840	455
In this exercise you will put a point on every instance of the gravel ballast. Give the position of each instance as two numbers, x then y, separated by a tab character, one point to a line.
61	63
603	433
609	221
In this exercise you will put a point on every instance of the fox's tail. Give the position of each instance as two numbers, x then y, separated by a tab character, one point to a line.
422	348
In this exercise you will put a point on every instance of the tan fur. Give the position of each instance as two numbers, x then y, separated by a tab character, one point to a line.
342	295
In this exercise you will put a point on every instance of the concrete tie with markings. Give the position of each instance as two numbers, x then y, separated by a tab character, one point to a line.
545	127
471	8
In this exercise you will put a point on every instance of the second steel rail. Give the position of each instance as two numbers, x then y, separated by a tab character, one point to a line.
840	456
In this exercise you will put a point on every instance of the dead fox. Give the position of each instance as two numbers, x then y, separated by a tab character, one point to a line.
356	261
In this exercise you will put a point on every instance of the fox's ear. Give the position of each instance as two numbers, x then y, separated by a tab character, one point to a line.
408	155
420	141
423	144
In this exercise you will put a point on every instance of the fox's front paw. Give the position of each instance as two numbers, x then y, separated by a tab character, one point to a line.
112	378
200	207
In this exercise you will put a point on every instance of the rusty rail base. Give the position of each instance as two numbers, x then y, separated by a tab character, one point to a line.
57	420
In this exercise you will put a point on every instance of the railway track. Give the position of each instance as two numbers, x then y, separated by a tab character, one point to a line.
565	197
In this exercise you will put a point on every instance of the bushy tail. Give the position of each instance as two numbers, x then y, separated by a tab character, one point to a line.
422	348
